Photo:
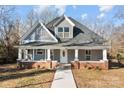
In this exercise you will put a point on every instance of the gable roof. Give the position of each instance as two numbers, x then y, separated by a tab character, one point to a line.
36	25
81	34
64	17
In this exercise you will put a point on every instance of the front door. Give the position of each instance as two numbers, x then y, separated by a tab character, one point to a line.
63	56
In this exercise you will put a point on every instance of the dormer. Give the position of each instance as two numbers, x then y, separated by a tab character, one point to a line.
64	27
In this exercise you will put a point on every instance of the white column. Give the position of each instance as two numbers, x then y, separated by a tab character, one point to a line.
76	54
33	55
104	54
19	54
48	54
45	53
26	54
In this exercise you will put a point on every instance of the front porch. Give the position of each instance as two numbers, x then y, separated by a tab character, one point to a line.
50	58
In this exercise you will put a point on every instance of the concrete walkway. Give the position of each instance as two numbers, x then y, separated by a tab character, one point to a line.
63	78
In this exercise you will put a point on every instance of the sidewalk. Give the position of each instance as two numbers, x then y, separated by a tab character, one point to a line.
63	78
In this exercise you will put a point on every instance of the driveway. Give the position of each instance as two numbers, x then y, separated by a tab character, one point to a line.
63	77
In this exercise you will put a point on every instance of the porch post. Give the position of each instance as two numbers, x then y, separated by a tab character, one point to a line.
48	54
104	54
19	54
33	55
76	55
26	54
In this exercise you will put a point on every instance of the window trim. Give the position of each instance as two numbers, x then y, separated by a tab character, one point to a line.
61	28
63	32
88	54
66	27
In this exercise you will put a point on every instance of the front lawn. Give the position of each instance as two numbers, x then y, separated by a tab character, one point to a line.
113	78
10	77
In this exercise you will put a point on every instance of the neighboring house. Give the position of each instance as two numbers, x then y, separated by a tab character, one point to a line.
63	40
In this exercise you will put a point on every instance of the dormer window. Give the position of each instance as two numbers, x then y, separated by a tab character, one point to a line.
66	32
63	32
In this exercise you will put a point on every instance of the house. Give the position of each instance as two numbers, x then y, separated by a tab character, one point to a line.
63	40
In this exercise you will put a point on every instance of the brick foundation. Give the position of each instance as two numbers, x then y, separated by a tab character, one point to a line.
87	65
29	65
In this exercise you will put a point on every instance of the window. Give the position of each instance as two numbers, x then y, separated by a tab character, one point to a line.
60	29
39	52
66	29
60	32
63	32
88	54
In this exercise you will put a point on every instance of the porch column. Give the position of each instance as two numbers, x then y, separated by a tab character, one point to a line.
33	55
48	54
19	54
104	54
26	54
76	55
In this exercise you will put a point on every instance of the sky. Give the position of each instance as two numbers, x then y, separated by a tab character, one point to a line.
79	12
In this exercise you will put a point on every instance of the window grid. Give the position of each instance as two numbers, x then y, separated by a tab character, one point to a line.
88	54
63	32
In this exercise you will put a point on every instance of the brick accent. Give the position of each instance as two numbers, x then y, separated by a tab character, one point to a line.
87	65
29	65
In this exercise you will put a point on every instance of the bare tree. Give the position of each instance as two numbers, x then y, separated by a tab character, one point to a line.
100	26
47	15
31	18
117	41
9	29
118	33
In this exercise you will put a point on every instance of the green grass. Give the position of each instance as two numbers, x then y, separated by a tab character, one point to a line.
113	78
10	77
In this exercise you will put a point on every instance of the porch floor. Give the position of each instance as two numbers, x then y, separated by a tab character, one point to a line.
63	77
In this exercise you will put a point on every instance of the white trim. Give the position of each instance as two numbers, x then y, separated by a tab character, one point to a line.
28	41
104	54
66	18
19	53
76	55
48	32
48	54
61	47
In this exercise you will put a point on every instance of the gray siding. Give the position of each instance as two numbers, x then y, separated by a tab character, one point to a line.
71	55
39	56
57	55
96	55
65	23
81	55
